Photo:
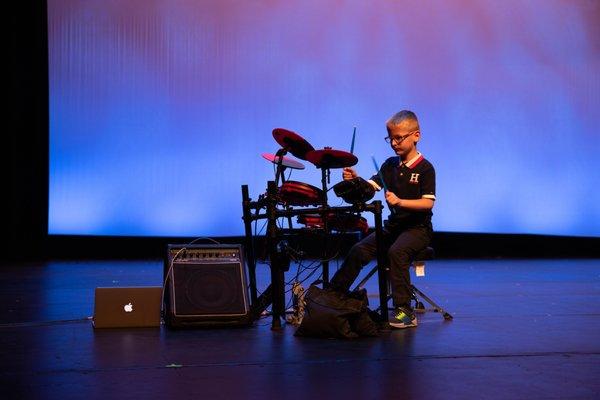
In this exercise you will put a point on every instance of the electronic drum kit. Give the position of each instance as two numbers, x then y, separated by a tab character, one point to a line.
309	204
300	194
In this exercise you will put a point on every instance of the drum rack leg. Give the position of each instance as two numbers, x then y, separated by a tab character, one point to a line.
277	271
325	173
381	262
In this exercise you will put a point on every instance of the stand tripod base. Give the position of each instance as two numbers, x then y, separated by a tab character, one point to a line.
416	295
420	307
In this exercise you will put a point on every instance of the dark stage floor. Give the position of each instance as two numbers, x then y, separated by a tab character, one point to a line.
522	329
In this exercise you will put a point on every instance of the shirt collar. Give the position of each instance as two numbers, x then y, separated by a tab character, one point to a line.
413	161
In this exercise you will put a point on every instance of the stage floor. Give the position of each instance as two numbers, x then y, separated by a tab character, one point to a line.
522	329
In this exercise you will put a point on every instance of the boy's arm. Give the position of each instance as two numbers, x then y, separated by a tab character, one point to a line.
422	204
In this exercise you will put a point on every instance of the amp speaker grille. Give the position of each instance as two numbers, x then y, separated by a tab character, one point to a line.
206	286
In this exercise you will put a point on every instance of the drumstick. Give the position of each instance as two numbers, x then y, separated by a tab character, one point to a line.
352	145
379	173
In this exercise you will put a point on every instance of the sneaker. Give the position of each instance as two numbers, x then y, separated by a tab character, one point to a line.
403	318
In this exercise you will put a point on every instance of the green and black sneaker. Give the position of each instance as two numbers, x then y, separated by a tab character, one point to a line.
403	318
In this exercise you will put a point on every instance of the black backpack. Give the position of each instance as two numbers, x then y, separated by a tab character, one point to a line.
333	314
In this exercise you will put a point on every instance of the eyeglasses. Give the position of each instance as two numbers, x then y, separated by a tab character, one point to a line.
399	139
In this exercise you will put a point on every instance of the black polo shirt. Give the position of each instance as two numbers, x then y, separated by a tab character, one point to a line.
412	180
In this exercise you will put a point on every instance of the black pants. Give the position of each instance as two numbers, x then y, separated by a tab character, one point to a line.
401	247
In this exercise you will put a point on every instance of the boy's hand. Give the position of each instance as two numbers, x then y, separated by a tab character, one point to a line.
349	173
392	199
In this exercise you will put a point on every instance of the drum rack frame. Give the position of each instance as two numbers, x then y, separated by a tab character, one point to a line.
269	204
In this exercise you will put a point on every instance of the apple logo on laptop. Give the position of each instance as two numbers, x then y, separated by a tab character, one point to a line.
128	307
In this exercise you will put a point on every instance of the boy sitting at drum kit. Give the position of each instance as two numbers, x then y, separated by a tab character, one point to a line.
409	184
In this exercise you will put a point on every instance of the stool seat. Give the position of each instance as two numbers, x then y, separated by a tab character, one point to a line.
426	254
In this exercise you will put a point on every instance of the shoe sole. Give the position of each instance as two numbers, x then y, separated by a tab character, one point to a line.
401	325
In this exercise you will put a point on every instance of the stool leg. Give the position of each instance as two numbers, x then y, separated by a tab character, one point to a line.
436	308
419	306
416	293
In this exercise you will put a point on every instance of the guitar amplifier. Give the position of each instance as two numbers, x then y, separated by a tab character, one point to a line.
205	286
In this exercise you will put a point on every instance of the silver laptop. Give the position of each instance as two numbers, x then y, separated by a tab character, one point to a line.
127	307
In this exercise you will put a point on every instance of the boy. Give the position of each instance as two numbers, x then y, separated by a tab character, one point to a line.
410	182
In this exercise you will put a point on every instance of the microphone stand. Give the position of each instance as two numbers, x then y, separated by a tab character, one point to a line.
280	173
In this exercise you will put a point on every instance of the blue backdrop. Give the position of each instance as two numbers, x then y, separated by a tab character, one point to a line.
160	110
